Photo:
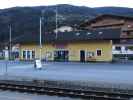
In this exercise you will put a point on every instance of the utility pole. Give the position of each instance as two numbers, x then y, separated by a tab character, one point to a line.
10	49
38	63
56	21
41	18
40	37
10	40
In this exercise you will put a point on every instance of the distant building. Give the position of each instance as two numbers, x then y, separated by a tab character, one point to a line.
15	51
123	49
112	22
91	45
6	53
13	54
64	29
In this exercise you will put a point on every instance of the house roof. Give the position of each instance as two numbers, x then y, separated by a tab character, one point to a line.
99	34
124	42
107	15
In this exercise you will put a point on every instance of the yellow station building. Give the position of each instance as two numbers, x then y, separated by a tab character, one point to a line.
90	45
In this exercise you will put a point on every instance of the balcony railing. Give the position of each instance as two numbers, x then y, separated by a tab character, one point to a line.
122	52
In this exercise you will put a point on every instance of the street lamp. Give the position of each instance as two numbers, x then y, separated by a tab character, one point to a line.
56	21
38	63
40	38
41	18
10	49
10	42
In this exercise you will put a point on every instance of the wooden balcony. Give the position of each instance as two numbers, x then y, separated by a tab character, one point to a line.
107	24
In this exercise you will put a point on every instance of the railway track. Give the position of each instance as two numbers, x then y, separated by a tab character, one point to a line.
89	94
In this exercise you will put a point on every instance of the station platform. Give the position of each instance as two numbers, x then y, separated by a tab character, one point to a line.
107	75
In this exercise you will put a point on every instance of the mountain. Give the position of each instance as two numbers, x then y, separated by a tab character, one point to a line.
115	10
25	20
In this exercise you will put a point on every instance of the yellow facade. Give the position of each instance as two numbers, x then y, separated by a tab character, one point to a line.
74	49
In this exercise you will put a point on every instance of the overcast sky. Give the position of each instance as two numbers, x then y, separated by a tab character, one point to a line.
89	3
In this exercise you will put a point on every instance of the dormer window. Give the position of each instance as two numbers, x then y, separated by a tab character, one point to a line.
100	33
128	26
128	33
66	31
77	34
89	33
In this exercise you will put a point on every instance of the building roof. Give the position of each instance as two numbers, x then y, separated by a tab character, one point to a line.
124	42
107	15
99	34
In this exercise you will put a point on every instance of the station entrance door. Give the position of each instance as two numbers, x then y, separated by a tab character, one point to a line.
82	56
61	55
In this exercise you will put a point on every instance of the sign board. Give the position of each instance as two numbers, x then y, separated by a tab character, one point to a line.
6	54
38	64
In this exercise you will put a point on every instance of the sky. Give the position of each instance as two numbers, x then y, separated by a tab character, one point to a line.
89	3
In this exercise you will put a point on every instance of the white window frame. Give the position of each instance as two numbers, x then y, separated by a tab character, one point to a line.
88	53
26	58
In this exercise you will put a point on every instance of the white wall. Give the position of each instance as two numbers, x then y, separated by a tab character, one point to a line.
63	29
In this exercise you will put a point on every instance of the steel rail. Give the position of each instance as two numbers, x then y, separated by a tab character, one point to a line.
89	94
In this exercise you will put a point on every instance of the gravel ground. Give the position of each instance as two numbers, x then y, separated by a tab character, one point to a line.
9	95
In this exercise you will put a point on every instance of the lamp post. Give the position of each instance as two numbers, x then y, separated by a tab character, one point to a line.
38	63
10	49
10	42
40	38
41	18
56	21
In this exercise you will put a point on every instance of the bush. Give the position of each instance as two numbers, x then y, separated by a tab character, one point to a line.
1	58
130	47
130	58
